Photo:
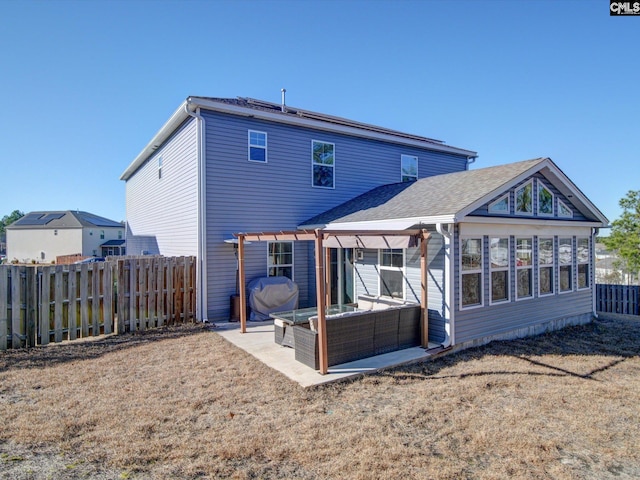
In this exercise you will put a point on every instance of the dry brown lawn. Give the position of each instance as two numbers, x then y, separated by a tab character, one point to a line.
183	403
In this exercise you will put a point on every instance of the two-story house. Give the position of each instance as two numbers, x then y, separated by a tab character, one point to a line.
511	247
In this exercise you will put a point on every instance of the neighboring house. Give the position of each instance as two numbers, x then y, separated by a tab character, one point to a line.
511	246
40	237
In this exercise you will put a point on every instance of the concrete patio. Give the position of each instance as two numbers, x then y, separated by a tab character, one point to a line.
259	342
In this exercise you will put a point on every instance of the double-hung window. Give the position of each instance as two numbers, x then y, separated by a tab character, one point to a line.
280	259
545	266
409	168
257	146
565	259
392	272
499	267
323	164
524	268
471	272
583	255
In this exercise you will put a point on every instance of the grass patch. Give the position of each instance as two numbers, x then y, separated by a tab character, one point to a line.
184	403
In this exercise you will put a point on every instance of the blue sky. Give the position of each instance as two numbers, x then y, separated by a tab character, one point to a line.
85	84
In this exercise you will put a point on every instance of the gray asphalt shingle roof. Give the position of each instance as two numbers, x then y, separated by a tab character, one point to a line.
445	194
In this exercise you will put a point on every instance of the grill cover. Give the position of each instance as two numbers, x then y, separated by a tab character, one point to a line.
271	294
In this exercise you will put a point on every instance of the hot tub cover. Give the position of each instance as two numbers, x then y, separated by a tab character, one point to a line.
271	294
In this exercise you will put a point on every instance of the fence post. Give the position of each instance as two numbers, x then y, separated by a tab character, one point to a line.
57	318
133	294
31	305
95	299
4	307
107	298
121	292
73	302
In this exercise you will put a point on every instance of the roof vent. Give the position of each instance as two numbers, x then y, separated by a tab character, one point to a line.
283	107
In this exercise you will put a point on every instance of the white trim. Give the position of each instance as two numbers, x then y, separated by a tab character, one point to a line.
529	229
515	199
402	270
499	200
333	165
547	265
391	224
250	145
500	269
476	271
402	157
542	185
524	267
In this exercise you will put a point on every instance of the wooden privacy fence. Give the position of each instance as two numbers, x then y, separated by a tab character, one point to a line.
623	299
43	304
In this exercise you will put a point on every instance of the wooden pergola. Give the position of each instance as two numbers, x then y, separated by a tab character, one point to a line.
323	274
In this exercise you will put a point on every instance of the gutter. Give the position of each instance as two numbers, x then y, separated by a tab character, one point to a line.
448	235
191	110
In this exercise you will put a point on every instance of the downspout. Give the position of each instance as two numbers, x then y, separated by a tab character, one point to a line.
447	234
470	160
201	270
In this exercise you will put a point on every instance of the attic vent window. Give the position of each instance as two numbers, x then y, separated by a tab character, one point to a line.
563	210
500	206
159	167
409	168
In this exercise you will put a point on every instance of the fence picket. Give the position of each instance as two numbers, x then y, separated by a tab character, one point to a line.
120	291
45	305
84	300
95	299
57	312
73	302
133	294
107	299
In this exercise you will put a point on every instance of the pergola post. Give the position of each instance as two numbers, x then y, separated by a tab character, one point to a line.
242	288
327	276
320	294
424	304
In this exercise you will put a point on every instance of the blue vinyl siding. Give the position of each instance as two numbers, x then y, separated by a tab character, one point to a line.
367	282
248	196
162	213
